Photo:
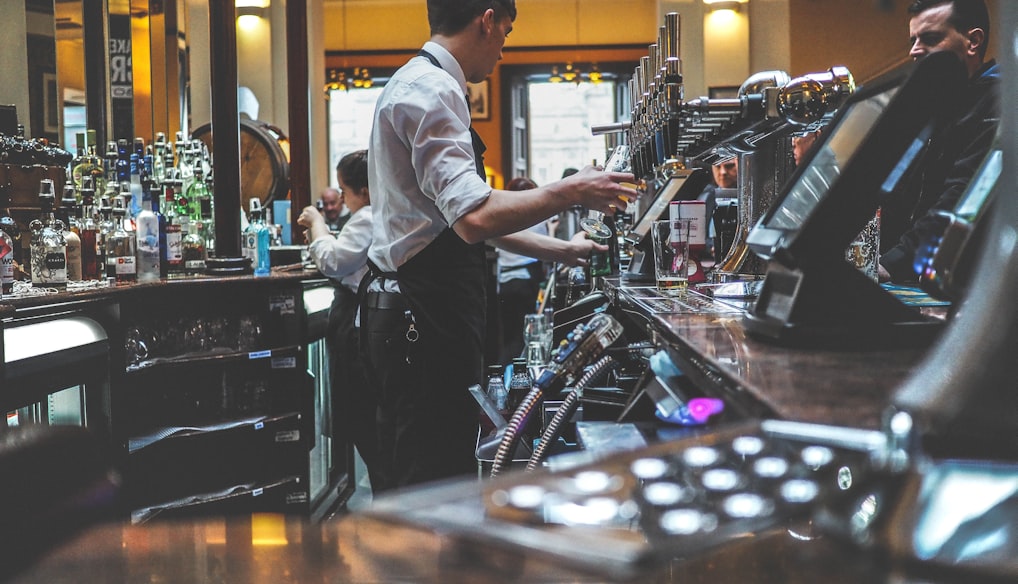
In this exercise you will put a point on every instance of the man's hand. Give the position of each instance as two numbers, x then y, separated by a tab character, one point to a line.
580	248
603	191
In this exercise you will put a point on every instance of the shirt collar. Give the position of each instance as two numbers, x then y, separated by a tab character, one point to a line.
448	62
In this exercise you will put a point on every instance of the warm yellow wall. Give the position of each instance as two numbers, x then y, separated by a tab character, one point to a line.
383	25
856	34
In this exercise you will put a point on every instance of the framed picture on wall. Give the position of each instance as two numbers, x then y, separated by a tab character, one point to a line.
479	95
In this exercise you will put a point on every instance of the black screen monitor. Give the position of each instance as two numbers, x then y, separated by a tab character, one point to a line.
810	291
685	186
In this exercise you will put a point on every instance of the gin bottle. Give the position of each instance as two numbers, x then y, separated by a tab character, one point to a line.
256	240
49	250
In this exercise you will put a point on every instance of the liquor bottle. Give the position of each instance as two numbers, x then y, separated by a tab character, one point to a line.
192	247
110	163
172	260
120	246
88	232
6	264
126	195
105	228
256	240
9	226
158	157
79	163
71	238
136	188
147	242
49	251
197	196
96	168
497	392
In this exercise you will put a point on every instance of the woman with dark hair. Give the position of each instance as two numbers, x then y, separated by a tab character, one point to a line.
519	282
343	258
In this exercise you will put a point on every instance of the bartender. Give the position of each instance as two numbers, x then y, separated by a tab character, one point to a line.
343	258
424	306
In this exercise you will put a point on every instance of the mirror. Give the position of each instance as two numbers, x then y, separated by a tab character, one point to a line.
147	67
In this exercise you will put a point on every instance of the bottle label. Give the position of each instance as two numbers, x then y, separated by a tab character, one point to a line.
174	251
6	265
126	265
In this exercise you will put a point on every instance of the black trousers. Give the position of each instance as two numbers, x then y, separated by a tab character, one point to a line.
354	398
517	298
427	420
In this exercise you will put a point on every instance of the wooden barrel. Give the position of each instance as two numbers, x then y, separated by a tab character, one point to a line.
264	161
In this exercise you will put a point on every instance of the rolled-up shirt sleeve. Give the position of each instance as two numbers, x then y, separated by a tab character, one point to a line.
442	151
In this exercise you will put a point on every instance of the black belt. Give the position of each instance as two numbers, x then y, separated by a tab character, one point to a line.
385	300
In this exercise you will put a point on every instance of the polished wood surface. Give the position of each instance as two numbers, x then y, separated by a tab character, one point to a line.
270	549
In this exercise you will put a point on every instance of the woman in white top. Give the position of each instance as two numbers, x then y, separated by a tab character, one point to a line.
343	258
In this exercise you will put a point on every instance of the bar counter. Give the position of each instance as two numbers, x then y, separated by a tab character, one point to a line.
845	387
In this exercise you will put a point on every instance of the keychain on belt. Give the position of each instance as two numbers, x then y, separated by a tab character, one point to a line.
412	334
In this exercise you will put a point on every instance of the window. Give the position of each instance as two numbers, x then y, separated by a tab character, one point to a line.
350	116
561	115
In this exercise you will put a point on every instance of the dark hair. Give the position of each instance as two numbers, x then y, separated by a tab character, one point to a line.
520	183
353	168
569	172
451	16
965	15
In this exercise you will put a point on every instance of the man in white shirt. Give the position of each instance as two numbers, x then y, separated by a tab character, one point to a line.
433	213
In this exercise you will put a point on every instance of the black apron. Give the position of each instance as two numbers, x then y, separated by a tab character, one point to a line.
444	288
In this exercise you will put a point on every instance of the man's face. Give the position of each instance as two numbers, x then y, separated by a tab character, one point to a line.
493	44
929	32
726	174
332	204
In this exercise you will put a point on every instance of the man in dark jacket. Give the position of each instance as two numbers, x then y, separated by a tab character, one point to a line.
954	154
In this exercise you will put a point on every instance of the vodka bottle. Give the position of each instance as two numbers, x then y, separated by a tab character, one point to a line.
158	157
88	232
49	250
120	246
147	242
71	238
136	188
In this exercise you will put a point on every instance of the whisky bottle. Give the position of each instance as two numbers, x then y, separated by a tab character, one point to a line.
49	251
71	229
120	246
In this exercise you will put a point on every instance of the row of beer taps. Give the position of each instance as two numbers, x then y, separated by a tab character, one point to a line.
666	132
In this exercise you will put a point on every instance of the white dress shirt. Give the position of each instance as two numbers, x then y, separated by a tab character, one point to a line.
344	257
421	160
